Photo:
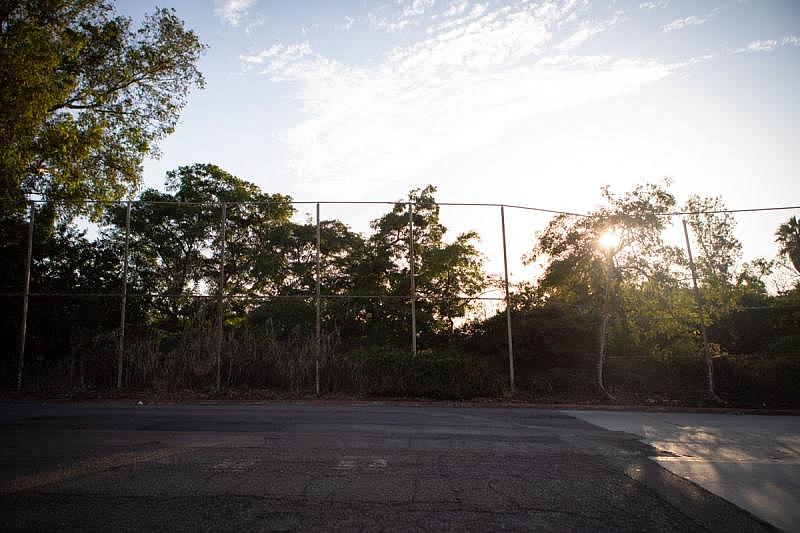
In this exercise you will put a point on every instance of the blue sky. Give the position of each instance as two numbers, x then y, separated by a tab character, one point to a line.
536	103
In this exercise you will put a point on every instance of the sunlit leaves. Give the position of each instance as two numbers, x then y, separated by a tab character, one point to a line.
84	97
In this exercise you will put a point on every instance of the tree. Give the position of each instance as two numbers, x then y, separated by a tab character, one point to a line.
724	280
84	97
649	295
443	272
175	238
580	272
788	237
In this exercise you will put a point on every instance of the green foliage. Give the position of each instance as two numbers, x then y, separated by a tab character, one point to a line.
64	263
390	372
84	97
269	312
545	337
442	270
575	262
788	237
175	250
761	380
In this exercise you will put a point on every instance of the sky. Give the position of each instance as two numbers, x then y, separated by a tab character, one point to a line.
537	103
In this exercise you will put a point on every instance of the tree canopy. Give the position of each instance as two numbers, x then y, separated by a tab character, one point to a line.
86	96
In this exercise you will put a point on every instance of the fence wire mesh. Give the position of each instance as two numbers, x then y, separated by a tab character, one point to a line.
293	295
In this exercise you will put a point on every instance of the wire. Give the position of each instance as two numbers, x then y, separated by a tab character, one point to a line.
720	211
256	297
396	202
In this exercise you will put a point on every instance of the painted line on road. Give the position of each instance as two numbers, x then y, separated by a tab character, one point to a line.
83	468
350	462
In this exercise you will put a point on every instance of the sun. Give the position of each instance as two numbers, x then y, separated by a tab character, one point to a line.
609	240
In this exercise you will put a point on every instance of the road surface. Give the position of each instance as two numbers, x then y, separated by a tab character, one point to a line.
316	466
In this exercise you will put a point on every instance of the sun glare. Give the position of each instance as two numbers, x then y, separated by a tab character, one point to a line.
609	239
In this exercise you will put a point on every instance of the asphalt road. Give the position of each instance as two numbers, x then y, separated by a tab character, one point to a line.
337	467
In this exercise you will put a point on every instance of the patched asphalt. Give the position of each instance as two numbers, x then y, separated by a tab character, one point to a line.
385	467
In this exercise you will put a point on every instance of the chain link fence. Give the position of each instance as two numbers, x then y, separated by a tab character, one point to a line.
239	329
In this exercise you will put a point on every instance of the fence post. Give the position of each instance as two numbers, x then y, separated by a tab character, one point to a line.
508	302
413	281
25	293
318	337
220	289
699	302
124	297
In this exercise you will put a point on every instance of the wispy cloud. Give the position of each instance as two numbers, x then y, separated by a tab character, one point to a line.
693	20
232	11
410	12
654	5
277	58
586	30
762	46
253	25
791	40
460	88
348	23
456	8
768	45
305	31
476	12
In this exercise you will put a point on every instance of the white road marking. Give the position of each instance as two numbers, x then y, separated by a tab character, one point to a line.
234	465
378	463
350	462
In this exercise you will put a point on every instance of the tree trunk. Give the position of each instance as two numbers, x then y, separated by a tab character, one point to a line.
601	355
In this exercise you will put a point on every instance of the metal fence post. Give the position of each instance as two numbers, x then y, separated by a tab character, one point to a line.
508	302
220	300
413	281
124	297
318	337
26	292
699	302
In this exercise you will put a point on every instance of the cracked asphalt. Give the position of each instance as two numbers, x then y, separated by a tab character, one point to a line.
317	466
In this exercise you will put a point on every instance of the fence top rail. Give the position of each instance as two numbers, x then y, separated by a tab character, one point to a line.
452	297
293	202
392	202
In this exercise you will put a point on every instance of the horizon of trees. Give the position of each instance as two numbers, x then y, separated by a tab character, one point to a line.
270	274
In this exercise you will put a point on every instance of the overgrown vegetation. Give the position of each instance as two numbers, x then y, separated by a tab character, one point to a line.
654	347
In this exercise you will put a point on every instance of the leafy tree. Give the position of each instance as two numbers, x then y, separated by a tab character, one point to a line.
576	263
579	272
84	96
788	237
653	306
291	259
443	271
725	281
175	248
